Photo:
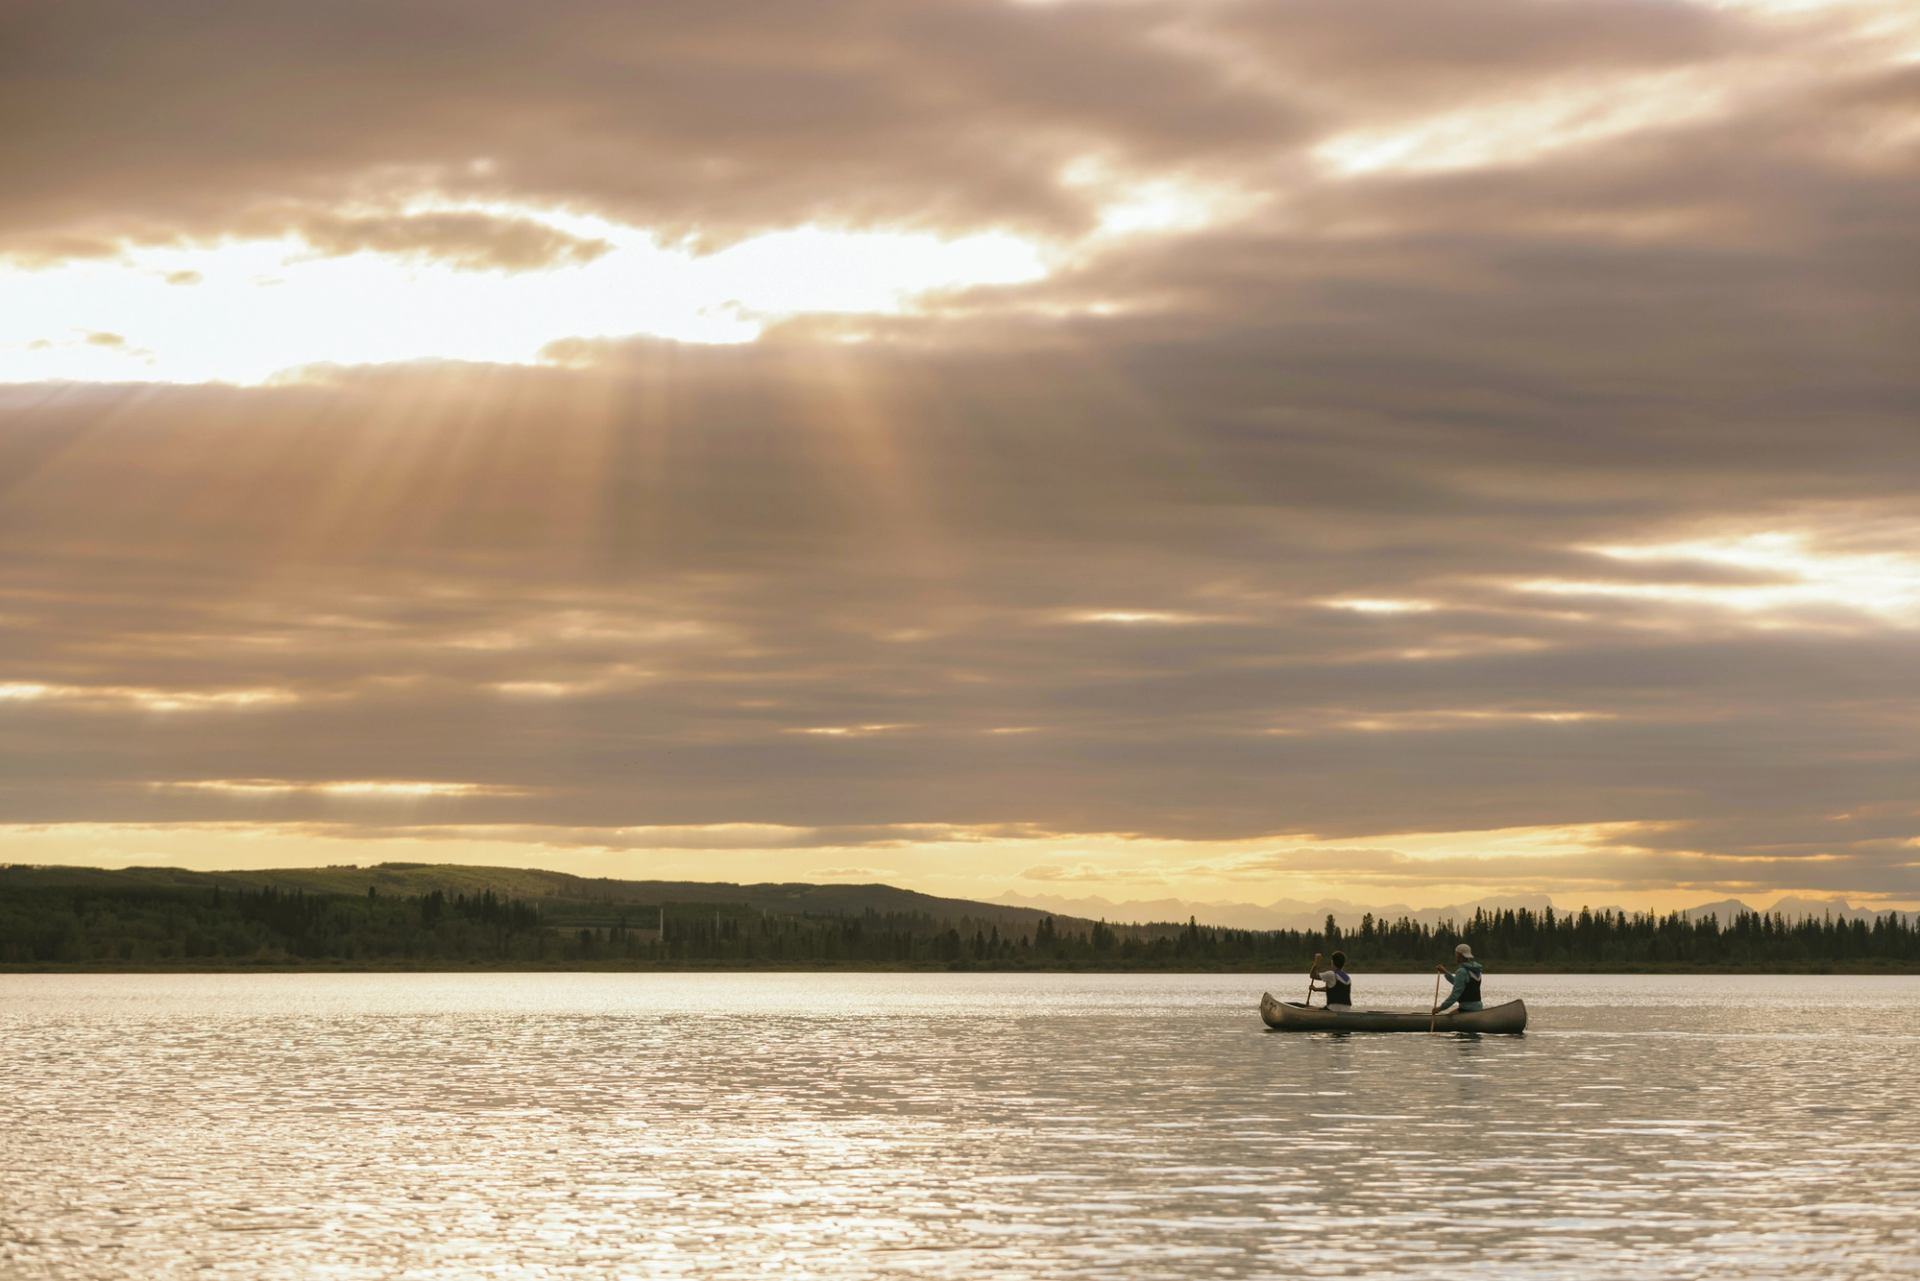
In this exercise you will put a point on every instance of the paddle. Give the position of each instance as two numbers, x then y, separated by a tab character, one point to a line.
1434	1016
1312	970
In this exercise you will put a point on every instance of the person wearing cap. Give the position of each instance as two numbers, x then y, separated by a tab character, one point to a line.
1466	982
1336	982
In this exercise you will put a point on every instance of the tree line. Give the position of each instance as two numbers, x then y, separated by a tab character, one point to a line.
225	927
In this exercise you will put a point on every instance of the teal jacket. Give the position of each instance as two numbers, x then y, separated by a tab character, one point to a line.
1467	972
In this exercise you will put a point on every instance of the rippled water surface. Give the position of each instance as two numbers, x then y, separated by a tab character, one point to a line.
556	1125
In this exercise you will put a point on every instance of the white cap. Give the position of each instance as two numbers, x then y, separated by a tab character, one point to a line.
1463	950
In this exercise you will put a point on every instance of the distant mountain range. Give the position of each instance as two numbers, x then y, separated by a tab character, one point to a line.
1297	914
1792	906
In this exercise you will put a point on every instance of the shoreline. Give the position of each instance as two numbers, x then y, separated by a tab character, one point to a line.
626	967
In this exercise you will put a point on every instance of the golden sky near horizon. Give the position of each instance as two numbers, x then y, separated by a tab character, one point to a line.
1224	450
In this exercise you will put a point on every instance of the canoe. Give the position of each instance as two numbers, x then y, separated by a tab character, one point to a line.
1291	1016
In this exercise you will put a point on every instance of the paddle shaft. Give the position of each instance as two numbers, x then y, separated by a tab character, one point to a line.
1434	1017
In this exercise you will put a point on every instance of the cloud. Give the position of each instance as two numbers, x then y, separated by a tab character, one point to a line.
471	241
711	119
704	552
715	121
617	596
1405	54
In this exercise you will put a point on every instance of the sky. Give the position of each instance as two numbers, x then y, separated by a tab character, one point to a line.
1218	449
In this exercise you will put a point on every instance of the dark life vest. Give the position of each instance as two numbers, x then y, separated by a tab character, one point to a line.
1340	991
1471	992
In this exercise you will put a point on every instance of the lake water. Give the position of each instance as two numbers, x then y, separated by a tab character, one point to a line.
948	1125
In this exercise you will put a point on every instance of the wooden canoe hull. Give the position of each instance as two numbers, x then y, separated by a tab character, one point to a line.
1291	1016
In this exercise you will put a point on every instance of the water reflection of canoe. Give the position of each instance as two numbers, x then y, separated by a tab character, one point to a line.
1291	1016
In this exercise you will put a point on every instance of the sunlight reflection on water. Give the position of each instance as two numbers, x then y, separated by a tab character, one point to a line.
556	1125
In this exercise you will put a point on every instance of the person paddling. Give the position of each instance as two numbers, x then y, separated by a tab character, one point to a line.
1336	982
1466	982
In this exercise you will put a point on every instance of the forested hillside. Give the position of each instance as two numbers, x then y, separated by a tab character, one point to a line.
414	916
